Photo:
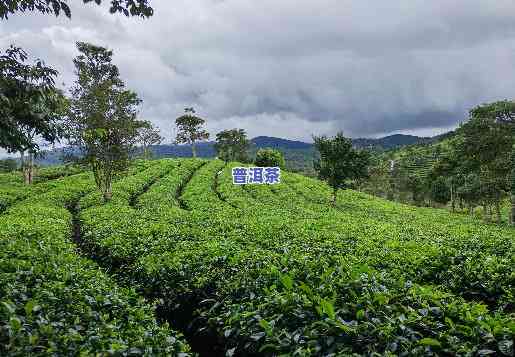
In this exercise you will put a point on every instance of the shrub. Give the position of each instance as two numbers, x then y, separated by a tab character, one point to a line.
269	158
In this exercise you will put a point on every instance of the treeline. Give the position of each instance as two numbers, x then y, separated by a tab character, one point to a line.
97	120
472	167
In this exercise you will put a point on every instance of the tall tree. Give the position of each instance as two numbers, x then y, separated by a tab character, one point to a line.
127	7
501	113
512	186
30	106
440	191
148	135
488	139
101	125
448	166
339	162
190	130
232	145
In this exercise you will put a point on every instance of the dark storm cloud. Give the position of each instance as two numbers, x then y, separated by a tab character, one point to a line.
293	68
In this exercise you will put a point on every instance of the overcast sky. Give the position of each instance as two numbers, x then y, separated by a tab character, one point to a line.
293	68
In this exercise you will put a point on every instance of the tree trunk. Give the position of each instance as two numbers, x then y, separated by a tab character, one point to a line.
453	202
27	167
512	209
498	211
193	150
108	192
335	192
23	169
486	213
31	167
471	210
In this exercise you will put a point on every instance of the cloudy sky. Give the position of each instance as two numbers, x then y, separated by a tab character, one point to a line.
293	68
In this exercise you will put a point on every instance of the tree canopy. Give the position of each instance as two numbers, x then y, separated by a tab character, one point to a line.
148	135
126	7
339	162
269	157
102	124
190	129
232	145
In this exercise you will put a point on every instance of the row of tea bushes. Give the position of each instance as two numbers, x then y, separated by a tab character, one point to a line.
13	191
282	274
461	254
54	302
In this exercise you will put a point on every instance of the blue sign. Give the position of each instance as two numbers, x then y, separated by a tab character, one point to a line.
256	175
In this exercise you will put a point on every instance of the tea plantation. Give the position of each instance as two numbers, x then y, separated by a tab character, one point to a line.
183	262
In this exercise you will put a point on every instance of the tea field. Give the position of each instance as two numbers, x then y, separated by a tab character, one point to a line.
183	262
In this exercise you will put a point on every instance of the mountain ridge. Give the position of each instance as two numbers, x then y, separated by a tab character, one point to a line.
206	149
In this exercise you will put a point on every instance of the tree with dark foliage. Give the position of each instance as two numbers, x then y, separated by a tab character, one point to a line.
30	106
190	129
339	162
127	7
232	145
268	157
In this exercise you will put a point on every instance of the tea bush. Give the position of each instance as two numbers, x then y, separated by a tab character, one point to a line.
275	270
54	302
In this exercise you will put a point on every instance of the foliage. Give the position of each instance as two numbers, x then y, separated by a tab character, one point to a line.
440	191
53	302
232	145
8	165
273	270
102	124
190	129
512	184
148	135
268	157
340	162
473	162
502	112
126	7
30	104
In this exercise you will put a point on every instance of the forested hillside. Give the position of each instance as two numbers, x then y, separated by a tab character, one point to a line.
469	170
182	257
298	154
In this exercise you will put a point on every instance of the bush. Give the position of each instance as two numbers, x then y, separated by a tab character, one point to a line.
269	158
8	165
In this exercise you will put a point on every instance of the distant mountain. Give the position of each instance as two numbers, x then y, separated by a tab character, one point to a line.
384	143
390	142
279	143
296	150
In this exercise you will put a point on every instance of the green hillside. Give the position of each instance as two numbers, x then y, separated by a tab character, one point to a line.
182	260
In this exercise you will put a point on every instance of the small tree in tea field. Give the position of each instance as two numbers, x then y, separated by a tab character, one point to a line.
339	162
101	125
148	135
268	157
232	145
190	130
